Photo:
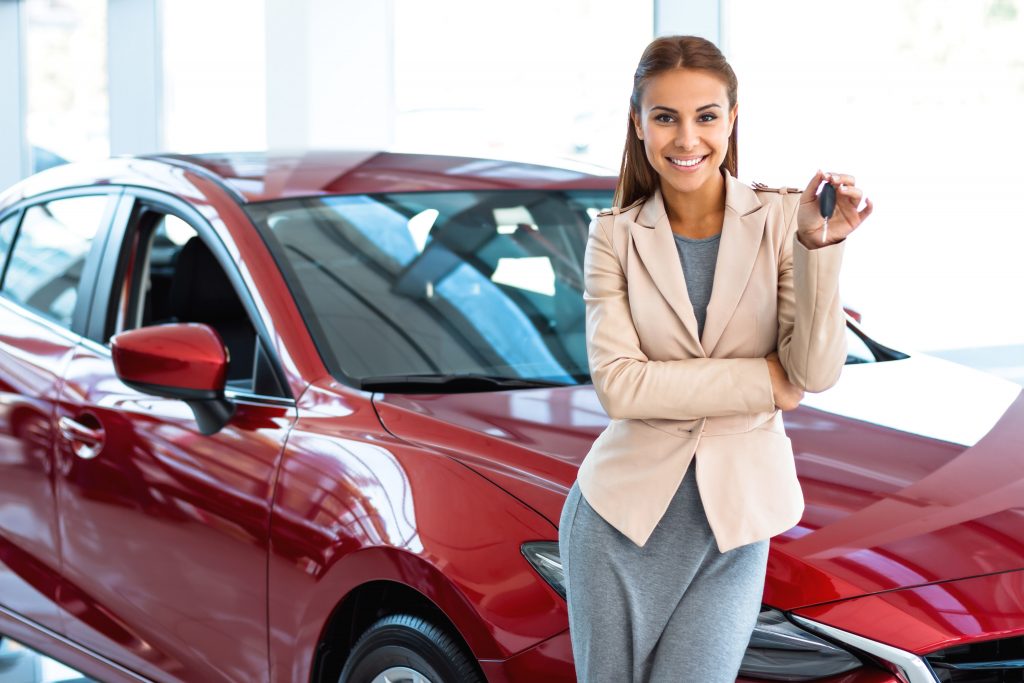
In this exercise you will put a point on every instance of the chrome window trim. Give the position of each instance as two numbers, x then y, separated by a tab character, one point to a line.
239	395
232	394
915	668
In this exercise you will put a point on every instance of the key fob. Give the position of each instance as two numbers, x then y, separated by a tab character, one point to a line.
827	200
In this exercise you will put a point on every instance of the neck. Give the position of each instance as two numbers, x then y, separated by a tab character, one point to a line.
697	214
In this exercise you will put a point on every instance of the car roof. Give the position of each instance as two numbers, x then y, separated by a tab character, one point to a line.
266	176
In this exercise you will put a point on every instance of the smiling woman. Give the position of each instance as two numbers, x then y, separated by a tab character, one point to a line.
672	555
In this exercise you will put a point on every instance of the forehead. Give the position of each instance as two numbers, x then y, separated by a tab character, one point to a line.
684	89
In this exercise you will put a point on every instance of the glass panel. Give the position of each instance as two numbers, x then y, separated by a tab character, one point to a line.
441	282
215	75
925	118
7	229
46	264
66	55
856	350
19	664
533	78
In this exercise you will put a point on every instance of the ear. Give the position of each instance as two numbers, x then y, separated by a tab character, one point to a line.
636	125
732	116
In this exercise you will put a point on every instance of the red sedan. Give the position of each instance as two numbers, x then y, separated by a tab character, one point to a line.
313	418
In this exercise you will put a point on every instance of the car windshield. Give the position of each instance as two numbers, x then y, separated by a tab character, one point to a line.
446	291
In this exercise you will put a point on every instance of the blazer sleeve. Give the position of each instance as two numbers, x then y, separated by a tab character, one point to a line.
812	326
628	383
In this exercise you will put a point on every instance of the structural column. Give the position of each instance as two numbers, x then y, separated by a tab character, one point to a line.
330	73
135	72
14	149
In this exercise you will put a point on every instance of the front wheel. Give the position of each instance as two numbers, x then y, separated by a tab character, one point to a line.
402	648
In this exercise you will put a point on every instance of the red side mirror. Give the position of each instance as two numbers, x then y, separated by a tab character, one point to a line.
186	361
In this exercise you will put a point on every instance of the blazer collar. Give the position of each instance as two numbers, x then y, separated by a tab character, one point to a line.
742	229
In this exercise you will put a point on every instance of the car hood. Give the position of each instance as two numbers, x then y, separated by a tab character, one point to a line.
935	616
912	470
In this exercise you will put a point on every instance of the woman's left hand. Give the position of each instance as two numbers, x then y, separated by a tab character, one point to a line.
845	218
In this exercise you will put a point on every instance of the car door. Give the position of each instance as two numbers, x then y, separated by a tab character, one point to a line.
50	247
165	530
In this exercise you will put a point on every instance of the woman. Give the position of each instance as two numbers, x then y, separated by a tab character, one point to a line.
665	561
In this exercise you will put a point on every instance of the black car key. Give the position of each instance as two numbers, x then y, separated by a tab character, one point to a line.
827	205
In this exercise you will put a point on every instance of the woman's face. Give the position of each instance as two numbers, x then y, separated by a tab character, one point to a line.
684	116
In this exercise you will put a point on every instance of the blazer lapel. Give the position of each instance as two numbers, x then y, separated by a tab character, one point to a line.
742	231
652	235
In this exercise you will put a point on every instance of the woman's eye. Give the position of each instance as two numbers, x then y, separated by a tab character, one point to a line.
712	117
658	117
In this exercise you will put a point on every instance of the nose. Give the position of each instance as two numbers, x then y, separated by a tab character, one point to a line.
687	136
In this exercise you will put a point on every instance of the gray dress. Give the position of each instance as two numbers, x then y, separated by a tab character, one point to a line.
675	610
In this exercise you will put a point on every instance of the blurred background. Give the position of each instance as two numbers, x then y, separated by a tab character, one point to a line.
921	100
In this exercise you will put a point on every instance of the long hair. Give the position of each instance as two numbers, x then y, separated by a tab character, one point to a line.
637	178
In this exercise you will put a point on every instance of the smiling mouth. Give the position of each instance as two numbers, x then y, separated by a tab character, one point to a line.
690	163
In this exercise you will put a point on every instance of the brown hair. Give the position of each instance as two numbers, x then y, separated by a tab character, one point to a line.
637	179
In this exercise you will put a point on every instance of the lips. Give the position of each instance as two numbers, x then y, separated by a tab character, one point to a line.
690	167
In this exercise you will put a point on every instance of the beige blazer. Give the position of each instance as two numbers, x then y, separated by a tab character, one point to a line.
671	396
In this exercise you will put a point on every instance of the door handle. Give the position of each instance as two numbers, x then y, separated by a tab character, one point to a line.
86	441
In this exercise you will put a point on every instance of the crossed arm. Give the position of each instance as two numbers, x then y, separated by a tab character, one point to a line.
811	345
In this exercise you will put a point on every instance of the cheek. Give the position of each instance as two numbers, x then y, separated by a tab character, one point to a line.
651	148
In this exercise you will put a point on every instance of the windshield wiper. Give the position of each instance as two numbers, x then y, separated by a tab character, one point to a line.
432	383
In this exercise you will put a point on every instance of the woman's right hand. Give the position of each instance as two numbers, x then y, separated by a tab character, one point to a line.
786	394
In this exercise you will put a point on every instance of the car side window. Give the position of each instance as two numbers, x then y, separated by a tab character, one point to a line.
174	277
7	228
45	266
856	350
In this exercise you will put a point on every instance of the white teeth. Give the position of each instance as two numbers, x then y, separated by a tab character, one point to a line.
692	162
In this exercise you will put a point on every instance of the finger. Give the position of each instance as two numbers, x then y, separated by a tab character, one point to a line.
849	211
841	179
850	190
868	208
810	192
853	194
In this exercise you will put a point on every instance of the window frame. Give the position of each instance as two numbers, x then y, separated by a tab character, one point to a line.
86	286
114	267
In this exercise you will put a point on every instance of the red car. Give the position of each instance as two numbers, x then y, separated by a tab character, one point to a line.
314	417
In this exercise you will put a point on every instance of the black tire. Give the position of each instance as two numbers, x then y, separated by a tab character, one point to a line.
405	641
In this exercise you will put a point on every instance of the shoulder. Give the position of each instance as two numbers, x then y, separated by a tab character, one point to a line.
616	210
761	187
786	197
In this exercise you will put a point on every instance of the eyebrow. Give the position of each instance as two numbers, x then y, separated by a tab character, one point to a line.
706	106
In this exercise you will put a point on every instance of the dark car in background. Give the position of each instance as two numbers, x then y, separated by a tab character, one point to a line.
313	417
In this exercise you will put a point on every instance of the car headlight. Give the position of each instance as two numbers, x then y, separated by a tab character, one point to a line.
779	650
544	557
